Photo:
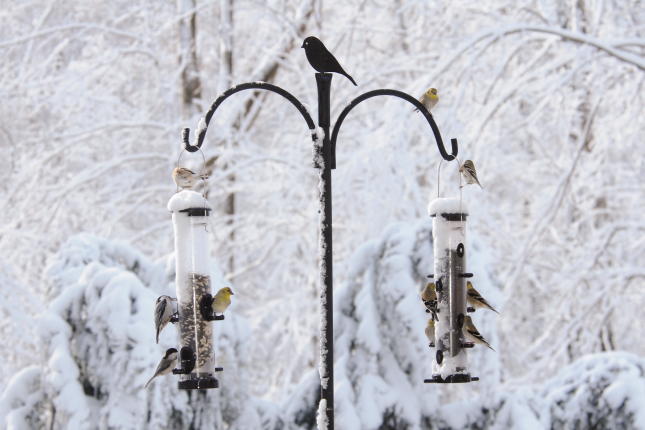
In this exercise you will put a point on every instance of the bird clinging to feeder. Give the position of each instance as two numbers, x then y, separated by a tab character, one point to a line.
429	298
165	365
472	334
164	312
321	59
430	331
475	299
222	300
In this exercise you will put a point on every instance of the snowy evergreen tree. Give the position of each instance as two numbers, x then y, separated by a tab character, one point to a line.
98	351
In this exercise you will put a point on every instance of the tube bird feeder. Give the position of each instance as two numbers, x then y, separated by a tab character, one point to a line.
449	249
190	211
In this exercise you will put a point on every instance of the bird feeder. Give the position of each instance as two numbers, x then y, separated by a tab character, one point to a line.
449	248
190	211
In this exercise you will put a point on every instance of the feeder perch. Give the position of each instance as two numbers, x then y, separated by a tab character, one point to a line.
190	212
449	238
187	359
205	307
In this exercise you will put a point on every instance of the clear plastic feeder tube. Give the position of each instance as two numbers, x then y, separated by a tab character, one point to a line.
190	213
449	248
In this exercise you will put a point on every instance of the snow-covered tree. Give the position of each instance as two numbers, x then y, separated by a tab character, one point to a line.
98	351
546	97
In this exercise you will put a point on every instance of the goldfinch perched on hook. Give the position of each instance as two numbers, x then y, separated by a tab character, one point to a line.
165	365
429	99
475	299
472	334
222	300
186	178
430	331
469	173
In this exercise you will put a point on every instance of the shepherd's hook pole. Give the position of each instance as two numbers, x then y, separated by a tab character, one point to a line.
323	80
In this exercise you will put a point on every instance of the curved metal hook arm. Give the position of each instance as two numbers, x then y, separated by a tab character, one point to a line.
201	131
401	95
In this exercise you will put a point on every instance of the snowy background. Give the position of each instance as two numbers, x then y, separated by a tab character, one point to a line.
547	98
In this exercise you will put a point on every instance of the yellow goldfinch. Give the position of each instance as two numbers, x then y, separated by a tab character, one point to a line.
429	99
186	178
222	300
475	299
429	297
472	334
429	292
469	173
430	331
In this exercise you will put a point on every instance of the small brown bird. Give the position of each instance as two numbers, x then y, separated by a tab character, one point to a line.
475	299
469	173
165	365
472	334
429	99
222	300
186	178
430	331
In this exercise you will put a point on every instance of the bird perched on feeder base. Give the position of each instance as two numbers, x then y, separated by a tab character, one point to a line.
429	99
321	59
222	300
186	178
165	365
475	299
472	334
164	311
469	173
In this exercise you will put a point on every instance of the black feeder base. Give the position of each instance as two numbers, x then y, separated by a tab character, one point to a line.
198	383
451	379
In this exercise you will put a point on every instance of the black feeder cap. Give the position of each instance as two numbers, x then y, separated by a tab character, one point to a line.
197	211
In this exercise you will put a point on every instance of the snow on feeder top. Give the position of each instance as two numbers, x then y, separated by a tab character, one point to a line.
190	211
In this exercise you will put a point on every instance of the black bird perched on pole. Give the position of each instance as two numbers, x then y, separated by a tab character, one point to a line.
321	59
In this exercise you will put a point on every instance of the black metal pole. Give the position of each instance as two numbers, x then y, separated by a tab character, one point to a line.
323	80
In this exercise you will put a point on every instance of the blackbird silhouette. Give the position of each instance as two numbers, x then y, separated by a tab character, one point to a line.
321	59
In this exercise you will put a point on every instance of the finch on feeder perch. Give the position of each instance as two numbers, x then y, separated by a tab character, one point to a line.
475	299
429	99
429	297
472	334
186	178
222	300
165	365
430	331
469	173
164	311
